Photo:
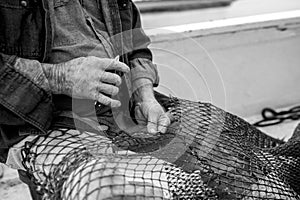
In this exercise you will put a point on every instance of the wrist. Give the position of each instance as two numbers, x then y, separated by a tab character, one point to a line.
56	77
143	90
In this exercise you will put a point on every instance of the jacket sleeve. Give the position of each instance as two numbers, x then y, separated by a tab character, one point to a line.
25	96
140	58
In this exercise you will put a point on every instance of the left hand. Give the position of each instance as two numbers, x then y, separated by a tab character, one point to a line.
150	113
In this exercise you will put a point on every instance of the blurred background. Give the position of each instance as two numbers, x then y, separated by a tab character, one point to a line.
158	13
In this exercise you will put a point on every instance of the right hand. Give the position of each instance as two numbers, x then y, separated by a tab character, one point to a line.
87	78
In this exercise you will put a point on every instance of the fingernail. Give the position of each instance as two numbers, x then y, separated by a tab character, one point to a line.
152	131
103	127
117	104
163	130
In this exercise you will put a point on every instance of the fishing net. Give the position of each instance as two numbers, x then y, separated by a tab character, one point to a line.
206	153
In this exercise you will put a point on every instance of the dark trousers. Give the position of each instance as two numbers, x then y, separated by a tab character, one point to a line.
25	178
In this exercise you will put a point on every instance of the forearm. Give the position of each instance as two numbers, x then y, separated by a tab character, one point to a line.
25	94
140	57
50	77
33	71
143	90
56	76
142	68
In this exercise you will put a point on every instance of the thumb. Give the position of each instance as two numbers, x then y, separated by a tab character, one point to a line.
139	116
163	123
153	118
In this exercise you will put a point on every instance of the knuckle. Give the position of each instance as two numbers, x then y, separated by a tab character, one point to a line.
95	96
101	75
127	68
105	76
114	90
118	80
105	100
124	67
107	65
110	63
91	59
120	66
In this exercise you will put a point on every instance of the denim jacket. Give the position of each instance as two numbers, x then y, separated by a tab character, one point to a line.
26	31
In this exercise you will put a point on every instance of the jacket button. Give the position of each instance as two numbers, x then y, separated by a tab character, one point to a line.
24	3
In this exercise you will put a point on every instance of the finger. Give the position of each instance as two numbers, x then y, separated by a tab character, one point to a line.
103	127
108	89
163	123
152	127
112	78
152	122
118	66
106	100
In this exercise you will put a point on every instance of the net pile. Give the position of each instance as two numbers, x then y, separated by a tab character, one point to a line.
206	153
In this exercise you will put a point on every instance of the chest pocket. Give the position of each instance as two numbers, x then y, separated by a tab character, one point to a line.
17	4
124	4
21	26
58	3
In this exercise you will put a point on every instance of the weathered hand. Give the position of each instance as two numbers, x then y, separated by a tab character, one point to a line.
87	78
151	113
148	111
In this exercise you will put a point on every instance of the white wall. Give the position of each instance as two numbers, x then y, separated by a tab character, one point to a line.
242	65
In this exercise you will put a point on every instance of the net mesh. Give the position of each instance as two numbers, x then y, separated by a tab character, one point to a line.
206	153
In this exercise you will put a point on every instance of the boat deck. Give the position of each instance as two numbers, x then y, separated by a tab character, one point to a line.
176	5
